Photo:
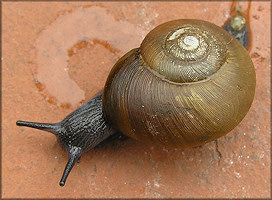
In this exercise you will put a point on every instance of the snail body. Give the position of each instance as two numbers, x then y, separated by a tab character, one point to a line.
188	83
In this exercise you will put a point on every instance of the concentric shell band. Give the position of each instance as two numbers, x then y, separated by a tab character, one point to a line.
185	50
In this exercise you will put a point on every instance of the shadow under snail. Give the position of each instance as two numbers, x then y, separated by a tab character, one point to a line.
187	84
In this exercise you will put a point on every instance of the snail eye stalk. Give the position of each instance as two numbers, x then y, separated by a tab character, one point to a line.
52	128
74	156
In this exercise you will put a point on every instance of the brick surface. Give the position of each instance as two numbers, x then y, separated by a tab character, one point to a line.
57	56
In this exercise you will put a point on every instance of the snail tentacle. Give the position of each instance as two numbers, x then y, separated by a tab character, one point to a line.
52	128
74	156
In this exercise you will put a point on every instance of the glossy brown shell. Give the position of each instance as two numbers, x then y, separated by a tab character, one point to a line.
162	93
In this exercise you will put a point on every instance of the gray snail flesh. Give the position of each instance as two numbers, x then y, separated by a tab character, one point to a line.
237	27
97	120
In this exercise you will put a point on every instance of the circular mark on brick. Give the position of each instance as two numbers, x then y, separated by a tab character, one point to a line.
73	55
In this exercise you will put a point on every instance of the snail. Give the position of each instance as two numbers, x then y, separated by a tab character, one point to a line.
189	83
238	28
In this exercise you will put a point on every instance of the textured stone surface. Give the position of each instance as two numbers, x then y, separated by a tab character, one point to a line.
57	55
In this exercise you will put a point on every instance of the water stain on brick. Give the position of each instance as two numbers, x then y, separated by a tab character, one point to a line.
59	41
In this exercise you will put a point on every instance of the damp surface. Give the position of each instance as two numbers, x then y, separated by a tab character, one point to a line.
74	40
57	55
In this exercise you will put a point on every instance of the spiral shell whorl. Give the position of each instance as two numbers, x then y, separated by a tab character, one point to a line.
185	50
187	45
144	99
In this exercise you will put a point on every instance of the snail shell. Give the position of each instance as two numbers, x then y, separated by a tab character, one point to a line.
189	83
